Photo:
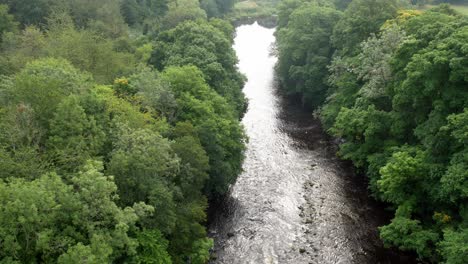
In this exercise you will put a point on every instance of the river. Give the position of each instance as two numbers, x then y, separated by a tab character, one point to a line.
295	202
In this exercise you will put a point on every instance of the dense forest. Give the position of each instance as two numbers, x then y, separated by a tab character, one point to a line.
391	82
119	123
120	119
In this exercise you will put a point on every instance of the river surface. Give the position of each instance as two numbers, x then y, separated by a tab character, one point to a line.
295	202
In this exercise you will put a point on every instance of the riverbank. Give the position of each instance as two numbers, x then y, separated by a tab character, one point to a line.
247	12
267	21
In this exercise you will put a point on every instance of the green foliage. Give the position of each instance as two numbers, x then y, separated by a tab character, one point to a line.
365	131
20	141
194	161
454	183
215	122
343	89
401	174
154	93
103	16
360	19
48	218
454	248
79	253
285	9
42	84
181	11
342	4
216	8
210	7
408	234
374	64
207	46
141	12
144	167
73	136
153	248
21	162
225	6
67	111
304	52
248	11
7	21
86	49
200	250
30	12
419	87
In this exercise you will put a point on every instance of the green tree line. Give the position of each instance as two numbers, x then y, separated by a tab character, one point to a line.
119	123
392	84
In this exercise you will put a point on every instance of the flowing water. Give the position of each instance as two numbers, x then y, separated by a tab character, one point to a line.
295	202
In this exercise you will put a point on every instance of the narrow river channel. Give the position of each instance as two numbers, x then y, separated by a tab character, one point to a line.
295	202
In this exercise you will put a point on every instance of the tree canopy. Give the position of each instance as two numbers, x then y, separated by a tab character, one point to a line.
119	124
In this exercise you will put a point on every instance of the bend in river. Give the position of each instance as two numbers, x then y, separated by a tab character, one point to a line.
295	202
